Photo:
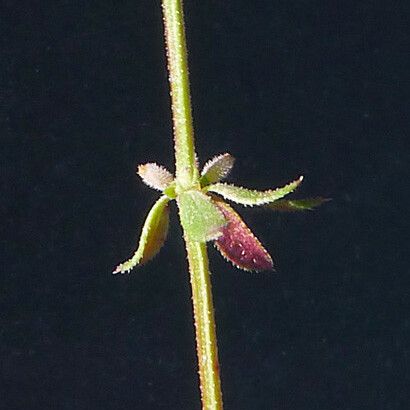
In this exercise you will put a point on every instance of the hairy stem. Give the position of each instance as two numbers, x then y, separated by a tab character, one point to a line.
206	341
187	177
186	169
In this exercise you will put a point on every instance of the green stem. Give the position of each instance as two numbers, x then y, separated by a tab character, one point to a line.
206	342
186	169
187	177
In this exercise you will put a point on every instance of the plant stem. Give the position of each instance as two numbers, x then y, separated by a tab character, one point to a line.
187	177
185	160
206	342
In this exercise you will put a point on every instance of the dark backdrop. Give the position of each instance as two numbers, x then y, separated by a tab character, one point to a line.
288	87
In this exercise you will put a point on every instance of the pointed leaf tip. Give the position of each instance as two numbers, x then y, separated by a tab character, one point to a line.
239	245
251	197
216	169
294	205
155	176
154	233
200	218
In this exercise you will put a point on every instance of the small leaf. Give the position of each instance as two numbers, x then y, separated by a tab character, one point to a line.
155	176
239	245
154	233
307	204
169	191
200	218
250	197
216	169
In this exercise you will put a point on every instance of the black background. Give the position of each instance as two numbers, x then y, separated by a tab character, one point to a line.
287	87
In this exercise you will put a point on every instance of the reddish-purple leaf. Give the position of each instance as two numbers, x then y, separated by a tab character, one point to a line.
239	245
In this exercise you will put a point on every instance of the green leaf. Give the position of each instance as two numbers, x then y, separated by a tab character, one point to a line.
307	204
154	233
169	191
200	217
155	176
250	197
216	169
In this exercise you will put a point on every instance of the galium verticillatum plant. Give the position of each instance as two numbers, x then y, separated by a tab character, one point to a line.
205	216
203	212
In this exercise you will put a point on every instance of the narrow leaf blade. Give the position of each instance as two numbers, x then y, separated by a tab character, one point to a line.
251	197
239	245
216	169
307	204
154	233
200	218
155	176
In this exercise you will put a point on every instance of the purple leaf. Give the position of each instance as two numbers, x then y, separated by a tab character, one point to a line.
239	245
